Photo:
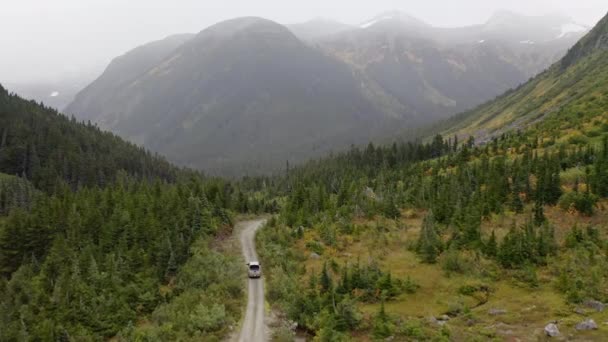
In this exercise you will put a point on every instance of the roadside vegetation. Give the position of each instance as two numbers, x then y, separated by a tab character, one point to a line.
100	239
444	240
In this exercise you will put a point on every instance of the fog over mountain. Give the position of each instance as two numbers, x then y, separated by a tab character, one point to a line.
44	34
247	94
162	87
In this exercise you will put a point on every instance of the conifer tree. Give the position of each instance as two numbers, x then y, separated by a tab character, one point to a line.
429	243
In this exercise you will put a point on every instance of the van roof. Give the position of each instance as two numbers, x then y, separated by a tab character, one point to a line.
254	263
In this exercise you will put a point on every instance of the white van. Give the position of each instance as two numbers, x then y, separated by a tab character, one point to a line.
254	269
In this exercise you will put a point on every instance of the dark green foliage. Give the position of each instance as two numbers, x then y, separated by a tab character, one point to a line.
491	247
429	243
583	202
48	148
15	192
526	245
90	261
383	327
206	300
583	269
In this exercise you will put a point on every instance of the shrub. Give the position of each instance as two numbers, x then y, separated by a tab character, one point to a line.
453	262
583	202
578	139
315	246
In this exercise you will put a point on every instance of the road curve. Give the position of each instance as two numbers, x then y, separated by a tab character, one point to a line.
254	328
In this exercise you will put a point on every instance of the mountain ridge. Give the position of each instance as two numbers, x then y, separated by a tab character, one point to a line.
566	86
226	85
246	85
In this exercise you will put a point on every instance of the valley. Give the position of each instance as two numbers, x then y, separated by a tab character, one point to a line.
396	180
246	95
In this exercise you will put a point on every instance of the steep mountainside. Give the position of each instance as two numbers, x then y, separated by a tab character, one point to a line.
247	94
245	91
572	90
436	72
123	70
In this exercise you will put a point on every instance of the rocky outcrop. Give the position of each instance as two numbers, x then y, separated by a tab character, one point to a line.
551	330
588	324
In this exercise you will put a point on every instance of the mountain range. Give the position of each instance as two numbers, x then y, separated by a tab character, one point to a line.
249	93
571	91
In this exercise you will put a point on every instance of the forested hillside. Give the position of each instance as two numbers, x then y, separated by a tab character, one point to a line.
457	239
101	239
46	147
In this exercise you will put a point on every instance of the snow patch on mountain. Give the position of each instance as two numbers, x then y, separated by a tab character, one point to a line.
568	28
54	94
374	21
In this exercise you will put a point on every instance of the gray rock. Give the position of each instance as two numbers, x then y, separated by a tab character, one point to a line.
496	312
580	311
436	321
588	324
444	318
314	255
551	330
595	305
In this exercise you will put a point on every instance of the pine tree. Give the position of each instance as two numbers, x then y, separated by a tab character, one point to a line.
326	282
429	244
382	327
491	247
539	213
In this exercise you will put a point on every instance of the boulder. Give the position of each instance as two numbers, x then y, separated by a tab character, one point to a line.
496	312
314	255
595	305
588	324
551	330
436	321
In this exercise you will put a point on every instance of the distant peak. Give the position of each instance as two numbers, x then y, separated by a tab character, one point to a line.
394	15
244	24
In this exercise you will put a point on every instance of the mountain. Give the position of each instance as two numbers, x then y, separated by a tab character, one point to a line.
571	92
125	69
249	94
317	29
244	91
395	19
435	72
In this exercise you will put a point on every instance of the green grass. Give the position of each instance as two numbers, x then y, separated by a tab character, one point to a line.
528	309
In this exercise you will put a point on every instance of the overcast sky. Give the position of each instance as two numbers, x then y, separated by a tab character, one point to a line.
53	39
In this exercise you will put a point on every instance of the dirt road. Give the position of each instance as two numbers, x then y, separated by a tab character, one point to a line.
254	328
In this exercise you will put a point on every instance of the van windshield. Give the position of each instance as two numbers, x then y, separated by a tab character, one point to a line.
254	267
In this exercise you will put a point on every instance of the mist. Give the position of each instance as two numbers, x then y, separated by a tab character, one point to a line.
49	41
